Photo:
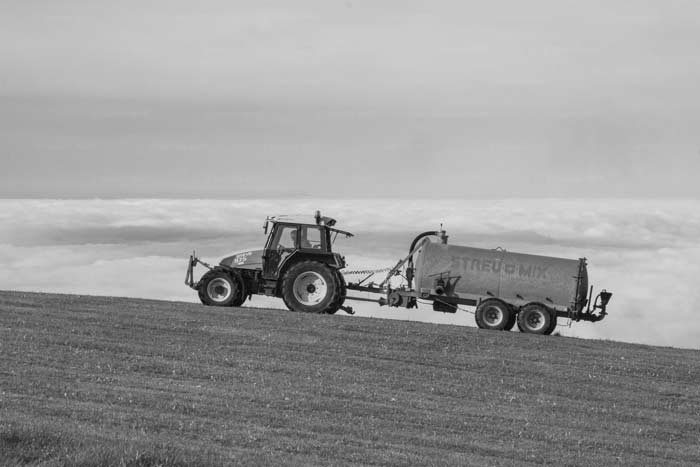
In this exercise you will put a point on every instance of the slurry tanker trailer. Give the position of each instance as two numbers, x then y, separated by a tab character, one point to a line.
298	265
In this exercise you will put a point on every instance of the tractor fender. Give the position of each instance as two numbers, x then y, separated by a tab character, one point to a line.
329	259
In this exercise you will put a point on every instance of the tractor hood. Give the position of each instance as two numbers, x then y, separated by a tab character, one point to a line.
244	260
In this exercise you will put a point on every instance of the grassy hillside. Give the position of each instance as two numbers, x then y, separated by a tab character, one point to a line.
115	381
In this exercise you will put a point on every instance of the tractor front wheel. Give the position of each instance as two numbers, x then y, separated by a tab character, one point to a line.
311	287
219	288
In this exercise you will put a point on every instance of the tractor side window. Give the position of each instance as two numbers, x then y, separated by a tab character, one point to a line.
286	238
311	237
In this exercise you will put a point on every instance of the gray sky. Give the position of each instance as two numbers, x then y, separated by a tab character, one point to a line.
352	98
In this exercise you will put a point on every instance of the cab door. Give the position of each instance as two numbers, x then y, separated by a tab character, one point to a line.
284	241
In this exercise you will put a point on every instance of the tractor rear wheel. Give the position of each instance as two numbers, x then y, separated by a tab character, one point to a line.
493	314
312	287
343	293
535	318
220	288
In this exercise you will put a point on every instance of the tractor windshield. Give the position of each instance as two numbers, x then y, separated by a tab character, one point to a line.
285	238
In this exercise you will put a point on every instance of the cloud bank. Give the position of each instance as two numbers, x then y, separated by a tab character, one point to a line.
645	251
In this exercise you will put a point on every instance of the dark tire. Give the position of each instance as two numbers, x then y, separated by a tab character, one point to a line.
552	325
239	300
512	320
535	318
220	288
493	314
312	287
343	293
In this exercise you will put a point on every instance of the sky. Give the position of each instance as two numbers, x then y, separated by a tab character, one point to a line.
348	99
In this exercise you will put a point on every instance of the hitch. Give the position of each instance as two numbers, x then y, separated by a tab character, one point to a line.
189	277
600	303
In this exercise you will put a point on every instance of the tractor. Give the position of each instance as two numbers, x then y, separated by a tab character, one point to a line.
297	264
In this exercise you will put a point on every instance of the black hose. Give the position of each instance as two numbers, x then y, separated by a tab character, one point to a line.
409	264
420	236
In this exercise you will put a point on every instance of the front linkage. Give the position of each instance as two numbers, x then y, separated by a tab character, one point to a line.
189	278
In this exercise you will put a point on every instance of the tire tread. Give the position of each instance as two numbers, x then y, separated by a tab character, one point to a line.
331	276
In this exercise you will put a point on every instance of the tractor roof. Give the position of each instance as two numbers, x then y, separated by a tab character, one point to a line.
321	221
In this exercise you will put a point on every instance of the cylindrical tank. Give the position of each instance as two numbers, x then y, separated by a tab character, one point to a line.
475	273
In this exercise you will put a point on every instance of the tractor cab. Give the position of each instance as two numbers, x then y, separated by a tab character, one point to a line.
294	241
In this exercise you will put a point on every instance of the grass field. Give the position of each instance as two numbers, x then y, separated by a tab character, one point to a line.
116	381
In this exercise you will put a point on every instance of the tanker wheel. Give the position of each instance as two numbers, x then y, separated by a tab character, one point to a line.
535	319
219	288
493	314
512	320
311	287
552	325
